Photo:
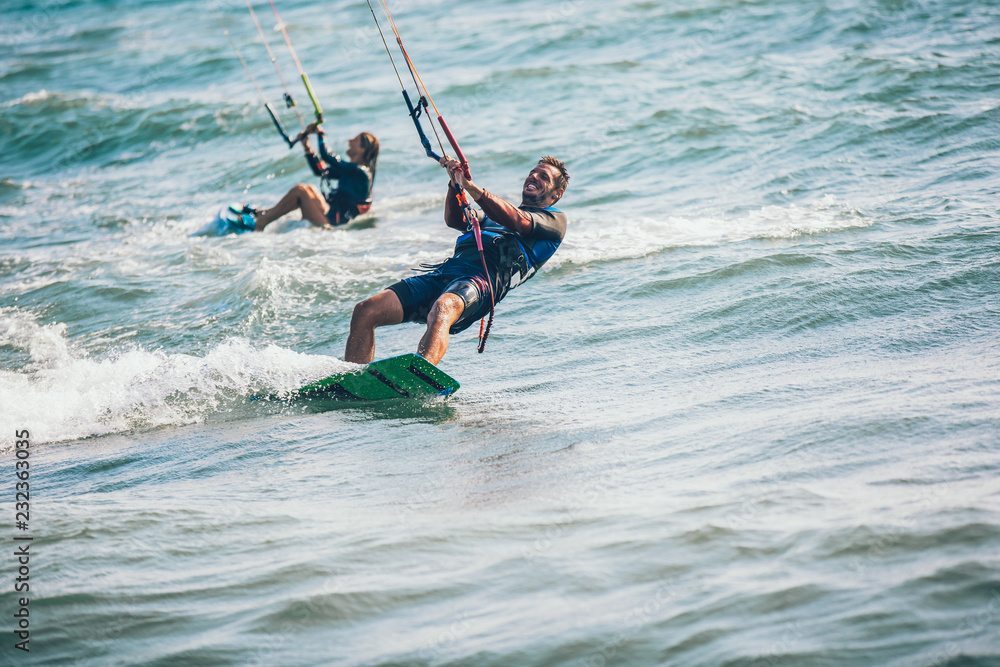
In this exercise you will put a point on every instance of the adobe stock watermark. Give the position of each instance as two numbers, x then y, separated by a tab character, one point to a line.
698	46
633	622
22	539
585	497
38	22
435	649
791	633
972	625
877	548
751	506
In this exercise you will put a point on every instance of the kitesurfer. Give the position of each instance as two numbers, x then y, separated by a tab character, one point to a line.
350	198
517	240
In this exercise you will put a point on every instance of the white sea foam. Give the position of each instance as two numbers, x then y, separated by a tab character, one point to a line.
590	240
46	344
37	96
66	394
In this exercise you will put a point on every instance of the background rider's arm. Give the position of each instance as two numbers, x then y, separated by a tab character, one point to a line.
315	163
333	162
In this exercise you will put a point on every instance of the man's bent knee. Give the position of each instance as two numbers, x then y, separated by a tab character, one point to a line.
382	309
447	309
364	313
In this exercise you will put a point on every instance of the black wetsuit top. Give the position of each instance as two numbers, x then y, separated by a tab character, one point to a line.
511	257
353	194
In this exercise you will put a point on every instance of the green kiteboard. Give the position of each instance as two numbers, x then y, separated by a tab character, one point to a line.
405	376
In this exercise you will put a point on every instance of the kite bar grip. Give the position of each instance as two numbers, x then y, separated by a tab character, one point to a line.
312	96
454	144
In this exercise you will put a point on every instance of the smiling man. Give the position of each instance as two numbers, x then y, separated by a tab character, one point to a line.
452	295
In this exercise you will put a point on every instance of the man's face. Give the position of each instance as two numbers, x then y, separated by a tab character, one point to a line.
540	186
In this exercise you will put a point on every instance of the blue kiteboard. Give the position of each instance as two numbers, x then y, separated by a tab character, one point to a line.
405	376
226	221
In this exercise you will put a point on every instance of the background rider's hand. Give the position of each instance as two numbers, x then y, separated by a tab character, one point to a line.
303	137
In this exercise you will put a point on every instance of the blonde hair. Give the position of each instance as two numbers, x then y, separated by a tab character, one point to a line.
369	147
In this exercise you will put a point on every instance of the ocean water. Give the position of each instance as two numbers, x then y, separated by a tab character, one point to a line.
748	414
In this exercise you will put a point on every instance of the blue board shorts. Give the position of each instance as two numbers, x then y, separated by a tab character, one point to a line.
417	294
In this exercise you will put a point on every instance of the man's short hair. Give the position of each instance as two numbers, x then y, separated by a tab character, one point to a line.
563	179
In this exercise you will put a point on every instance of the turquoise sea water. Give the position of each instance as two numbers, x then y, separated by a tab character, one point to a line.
749	413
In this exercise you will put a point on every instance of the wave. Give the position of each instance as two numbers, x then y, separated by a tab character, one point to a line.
601	240
28	98
49	133
65	394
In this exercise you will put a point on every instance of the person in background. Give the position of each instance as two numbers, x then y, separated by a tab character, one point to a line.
351	197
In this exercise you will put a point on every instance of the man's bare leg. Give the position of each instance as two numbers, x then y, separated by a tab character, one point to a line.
304	197
378	311
444	313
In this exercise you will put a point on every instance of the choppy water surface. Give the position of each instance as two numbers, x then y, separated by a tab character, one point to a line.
747	415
